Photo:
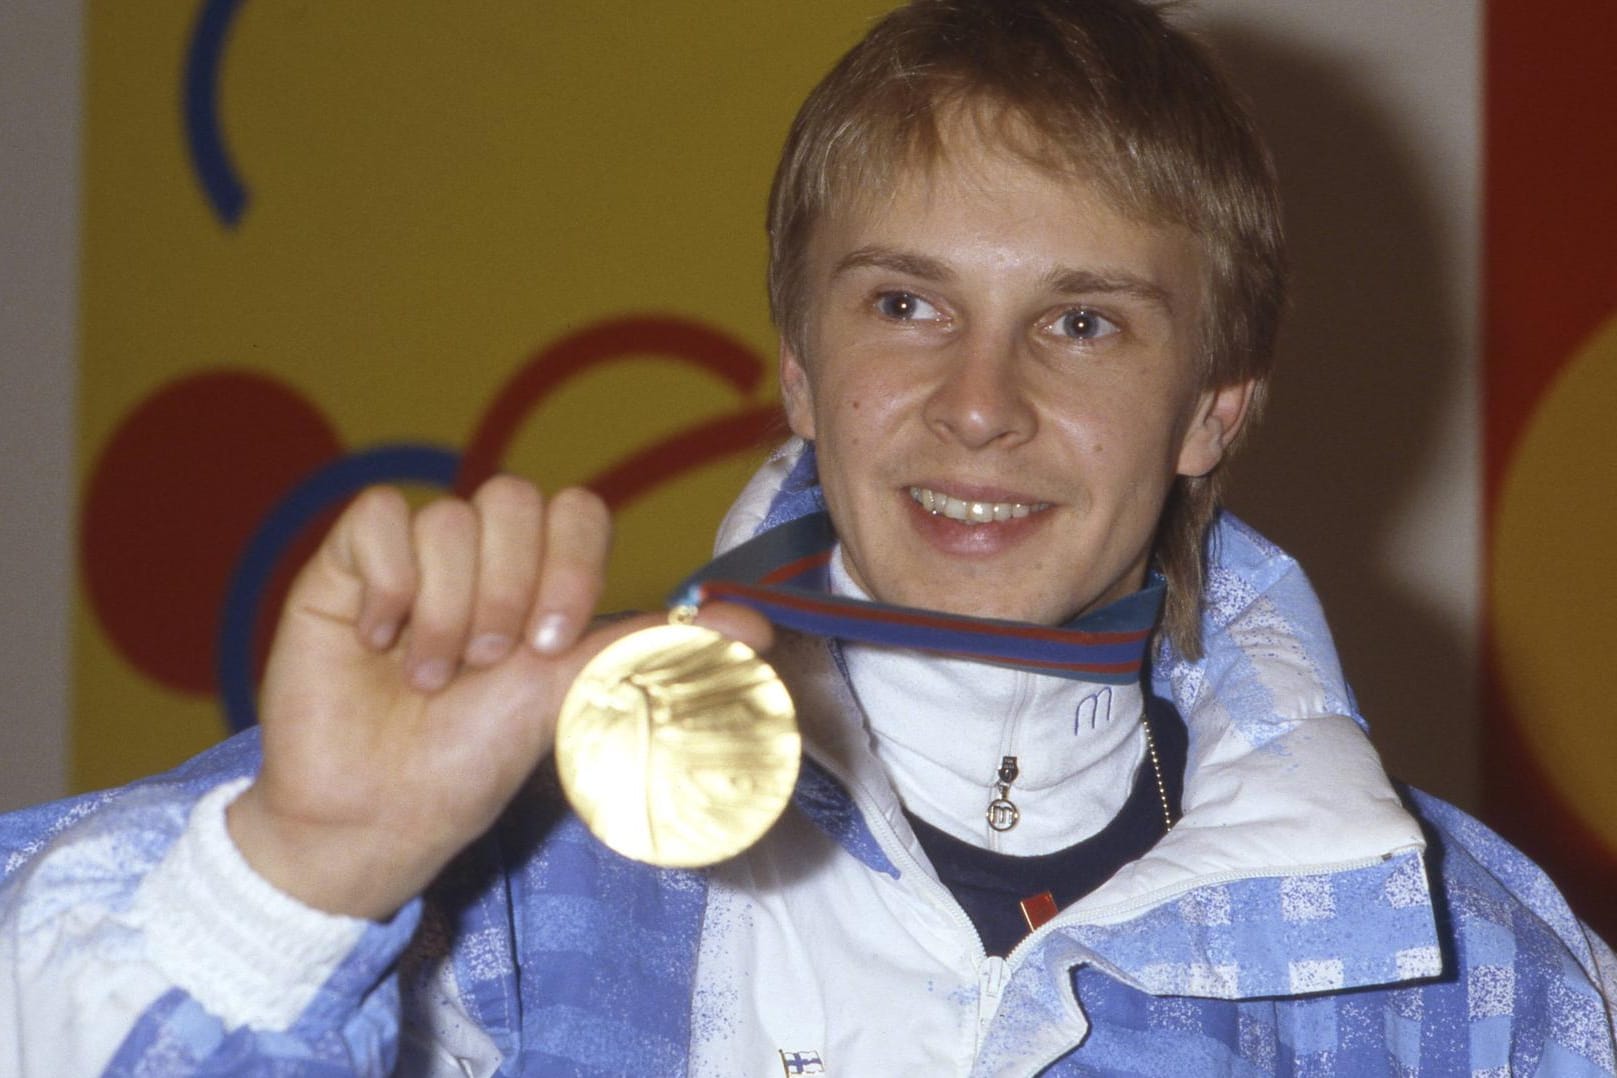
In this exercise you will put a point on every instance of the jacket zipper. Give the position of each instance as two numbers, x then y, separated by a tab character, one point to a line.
991	978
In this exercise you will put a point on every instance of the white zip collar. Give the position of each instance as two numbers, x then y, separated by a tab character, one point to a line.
942	727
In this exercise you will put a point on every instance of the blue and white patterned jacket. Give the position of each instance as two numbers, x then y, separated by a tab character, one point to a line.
1303	917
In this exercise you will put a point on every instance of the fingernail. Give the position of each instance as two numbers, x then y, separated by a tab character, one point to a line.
551	634
382	635
488	648
431	675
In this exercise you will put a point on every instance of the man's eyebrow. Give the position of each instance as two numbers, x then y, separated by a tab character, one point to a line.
1068	281
906	262
1090	282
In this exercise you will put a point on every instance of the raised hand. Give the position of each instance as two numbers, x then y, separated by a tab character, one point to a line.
414	684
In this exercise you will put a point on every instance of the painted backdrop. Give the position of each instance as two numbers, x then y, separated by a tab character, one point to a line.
326	246
1551	457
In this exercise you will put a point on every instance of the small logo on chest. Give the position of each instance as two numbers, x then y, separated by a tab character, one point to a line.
1094	711
801	1062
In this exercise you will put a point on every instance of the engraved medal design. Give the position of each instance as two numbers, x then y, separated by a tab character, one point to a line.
678	746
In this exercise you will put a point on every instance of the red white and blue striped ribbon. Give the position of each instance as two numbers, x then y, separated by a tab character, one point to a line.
781	573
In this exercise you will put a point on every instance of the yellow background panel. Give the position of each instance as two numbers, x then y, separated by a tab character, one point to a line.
1553	617
435	194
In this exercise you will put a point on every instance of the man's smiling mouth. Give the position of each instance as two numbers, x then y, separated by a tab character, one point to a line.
972	512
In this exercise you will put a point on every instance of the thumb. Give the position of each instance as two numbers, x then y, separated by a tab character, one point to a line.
739	623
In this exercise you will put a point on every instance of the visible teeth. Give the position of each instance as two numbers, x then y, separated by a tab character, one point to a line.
971	512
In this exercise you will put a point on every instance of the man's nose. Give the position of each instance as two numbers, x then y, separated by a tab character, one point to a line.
980	398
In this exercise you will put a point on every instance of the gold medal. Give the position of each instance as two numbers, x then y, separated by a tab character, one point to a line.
678	746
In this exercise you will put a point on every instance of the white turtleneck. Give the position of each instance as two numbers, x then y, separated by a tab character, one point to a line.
941	726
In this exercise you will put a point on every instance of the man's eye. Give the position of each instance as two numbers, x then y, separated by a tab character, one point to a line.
1085	325
904	306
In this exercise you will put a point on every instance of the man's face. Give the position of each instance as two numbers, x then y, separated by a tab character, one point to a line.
1001	385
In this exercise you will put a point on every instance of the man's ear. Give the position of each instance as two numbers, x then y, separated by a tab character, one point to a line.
796	393
1214	425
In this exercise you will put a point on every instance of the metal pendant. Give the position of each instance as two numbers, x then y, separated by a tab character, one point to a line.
1002	814
678	746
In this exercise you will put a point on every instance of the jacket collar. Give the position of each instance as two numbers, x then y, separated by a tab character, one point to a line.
1295	867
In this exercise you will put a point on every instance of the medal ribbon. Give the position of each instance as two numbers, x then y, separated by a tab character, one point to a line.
782	574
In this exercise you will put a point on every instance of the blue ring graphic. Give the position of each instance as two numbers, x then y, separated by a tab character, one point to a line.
323	489
208	154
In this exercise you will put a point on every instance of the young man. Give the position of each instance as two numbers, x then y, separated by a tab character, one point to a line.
1026	266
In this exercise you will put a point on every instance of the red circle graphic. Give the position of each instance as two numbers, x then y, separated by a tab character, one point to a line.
175	495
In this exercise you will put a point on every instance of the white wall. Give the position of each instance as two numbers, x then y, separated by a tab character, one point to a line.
39	124
1368	468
